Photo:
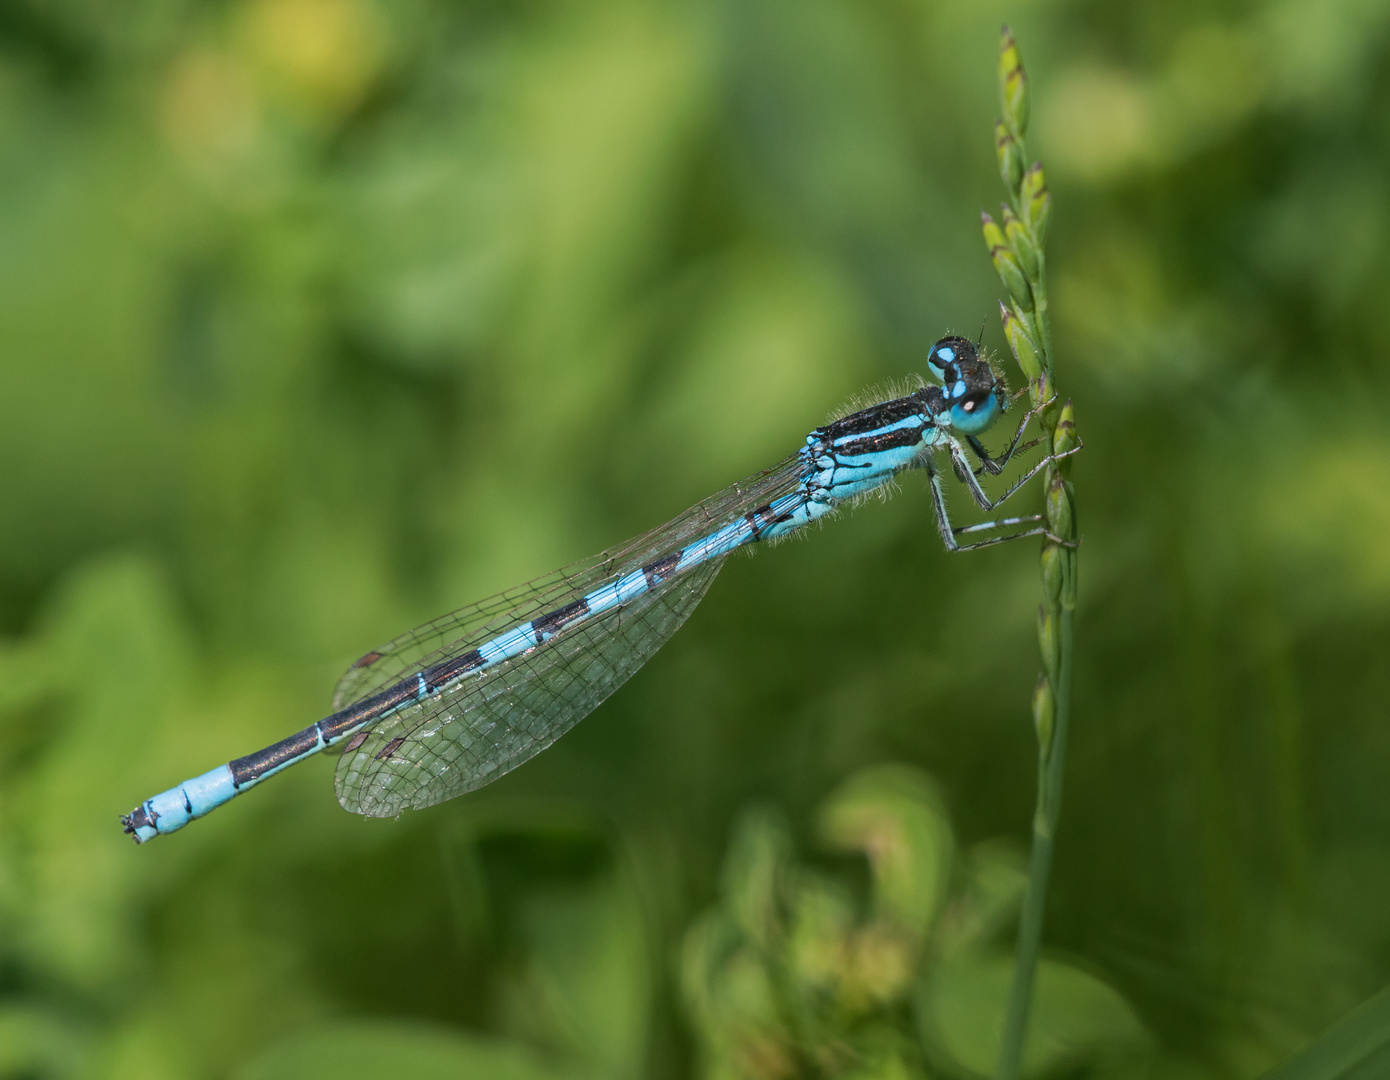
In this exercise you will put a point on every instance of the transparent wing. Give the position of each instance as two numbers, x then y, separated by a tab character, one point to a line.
467	628
480	728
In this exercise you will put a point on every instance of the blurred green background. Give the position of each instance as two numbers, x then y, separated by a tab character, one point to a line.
319	318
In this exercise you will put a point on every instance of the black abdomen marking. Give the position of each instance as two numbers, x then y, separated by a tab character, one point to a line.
553	622
254	766
448	670
660	570
360	712
763	518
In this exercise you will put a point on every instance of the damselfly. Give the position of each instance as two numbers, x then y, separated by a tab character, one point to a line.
460	701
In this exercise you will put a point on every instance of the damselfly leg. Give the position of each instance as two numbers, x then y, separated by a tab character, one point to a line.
968	477
994	466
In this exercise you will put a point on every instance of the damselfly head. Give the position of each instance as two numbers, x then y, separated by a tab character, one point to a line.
946	356
975	394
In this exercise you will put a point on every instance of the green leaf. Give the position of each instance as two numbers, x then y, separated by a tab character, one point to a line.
1075	1018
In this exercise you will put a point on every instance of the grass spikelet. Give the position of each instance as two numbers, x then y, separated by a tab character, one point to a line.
1017	252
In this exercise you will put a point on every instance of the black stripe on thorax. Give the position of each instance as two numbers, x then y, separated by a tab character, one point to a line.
254	766
553	622
875	416
884	440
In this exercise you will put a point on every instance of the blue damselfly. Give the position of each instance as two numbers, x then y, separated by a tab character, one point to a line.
458	702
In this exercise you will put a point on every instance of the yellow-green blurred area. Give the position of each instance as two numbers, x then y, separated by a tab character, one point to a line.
319	318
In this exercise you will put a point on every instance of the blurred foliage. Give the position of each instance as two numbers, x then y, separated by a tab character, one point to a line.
1357	1047
320	317
785	978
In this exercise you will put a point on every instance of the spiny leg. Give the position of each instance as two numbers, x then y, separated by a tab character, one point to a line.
1004	523
967	477
948	534
1039	531
962	468
998	523
938	505
996	465
972	484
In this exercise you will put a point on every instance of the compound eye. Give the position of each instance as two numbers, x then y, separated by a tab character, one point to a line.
974	413
947	355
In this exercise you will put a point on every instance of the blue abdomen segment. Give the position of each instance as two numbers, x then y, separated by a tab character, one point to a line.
512	643
171	810
626	588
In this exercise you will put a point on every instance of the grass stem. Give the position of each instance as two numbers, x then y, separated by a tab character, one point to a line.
1014	246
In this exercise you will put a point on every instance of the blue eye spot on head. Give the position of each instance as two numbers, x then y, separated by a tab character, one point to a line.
947	355
959	389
